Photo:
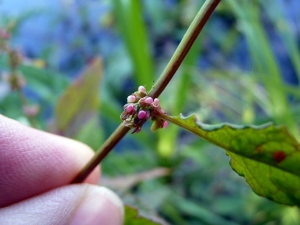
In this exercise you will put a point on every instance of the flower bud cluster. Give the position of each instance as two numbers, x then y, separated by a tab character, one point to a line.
140	108
4	34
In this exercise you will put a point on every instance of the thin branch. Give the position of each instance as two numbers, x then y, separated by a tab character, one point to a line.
179	55
108	145
184	47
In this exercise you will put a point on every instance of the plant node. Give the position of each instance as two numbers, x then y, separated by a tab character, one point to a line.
139	108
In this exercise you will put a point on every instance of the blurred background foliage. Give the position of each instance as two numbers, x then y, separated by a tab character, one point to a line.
79	60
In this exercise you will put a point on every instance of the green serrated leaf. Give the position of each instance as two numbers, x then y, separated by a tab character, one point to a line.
267	156
132	217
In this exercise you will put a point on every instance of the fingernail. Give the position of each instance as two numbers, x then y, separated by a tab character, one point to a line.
99	206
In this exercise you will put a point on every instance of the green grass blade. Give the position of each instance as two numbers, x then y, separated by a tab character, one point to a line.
133	29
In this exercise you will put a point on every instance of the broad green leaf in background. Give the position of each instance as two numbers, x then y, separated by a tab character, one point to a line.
76	113
267	156
132	217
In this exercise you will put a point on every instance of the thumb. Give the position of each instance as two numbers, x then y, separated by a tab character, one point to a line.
73	204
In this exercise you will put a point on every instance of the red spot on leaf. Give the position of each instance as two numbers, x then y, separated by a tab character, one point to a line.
259	149
279	156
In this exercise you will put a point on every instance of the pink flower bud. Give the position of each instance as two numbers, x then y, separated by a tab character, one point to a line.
129	108
149	100
124	115
156	102
137	130
142	89
4	34
165	124
31	111
131	98
142	114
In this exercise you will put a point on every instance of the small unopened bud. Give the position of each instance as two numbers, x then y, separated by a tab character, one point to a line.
4	34
16	81
142	89
136	130
15	58
149	100
142	114
31	111
156	102
165	124
130	108
124	115
131	98
155	126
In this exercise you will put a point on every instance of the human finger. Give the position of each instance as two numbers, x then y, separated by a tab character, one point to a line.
33	161
72	204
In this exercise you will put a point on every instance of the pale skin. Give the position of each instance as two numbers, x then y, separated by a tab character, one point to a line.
36	169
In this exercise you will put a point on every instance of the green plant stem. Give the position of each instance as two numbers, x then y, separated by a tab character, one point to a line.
184	47
174	63
108	145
